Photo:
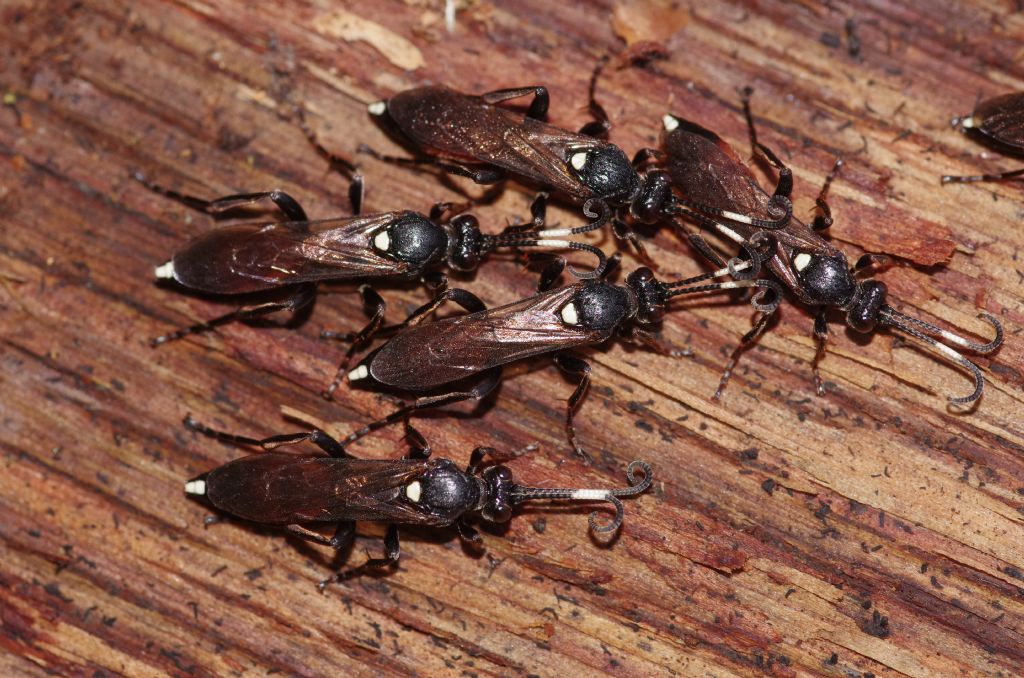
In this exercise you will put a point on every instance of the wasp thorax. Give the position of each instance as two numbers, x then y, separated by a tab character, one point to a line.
601	306
497	505
862	315
413	239
444	490
466	243
606	171
825	280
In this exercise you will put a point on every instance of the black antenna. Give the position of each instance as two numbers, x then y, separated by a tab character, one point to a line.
554	238
520	494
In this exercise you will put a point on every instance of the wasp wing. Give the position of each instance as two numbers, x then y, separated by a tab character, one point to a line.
1002	119
708	172
428	355
466	129
280	489
253	257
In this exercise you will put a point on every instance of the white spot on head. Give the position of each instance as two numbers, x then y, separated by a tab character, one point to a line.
165	272
670	122
569	314
413	491
377	107
360	372
382	241
801	261
195	487
578	160
968	122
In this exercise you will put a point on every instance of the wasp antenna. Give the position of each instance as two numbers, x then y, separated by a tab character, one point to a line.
909	325
637	485
537	239
760	301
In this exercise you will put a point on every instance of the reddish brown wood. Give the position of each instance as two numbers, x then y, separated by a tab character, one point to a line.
866	531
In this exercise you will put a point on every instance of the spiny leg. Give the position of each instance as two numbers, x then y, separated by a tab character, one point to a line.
469	534
574	366
373	306
300	298
419	448
784	187
288	205
601	125
1002	176
824	217
319	438
487	382
699	243
756	331
656	343
342	538
623	231
463	298
483	175
538	107
821	338
392	553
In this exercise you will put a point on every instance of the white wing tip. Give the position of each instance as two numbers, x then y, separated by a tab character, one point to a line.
197	487
165	271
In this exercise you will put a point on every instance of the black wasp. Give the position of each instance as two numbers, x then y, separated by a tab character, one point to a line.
307	493
461	357
998	122
292	256
716	189
473	136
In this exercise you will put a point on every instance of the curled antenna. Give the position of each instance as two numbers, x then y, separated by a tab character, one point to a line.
766	299
520	494
554	238
921	330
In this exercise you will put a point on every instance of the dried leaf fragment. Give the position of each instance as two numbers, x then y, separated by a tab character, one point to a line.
351	28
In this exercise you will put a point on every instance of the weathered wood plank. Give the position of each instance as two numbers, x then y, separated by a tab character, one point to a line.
866	531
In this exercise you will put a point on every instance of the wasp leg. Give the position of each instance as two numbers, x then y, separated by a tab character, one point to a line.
392	553
319	438
1003	176
300	298
821	337
601	125
374	307
824	217
574	366
538	107
487	382
482	175
784	186
343	535
756	331
288	205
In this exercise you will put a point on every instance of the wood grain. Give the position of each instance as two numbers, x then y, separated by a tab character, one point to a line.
867	532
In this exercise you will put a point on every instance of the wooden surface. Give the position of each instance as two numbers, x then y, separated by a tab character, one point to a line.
867	532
